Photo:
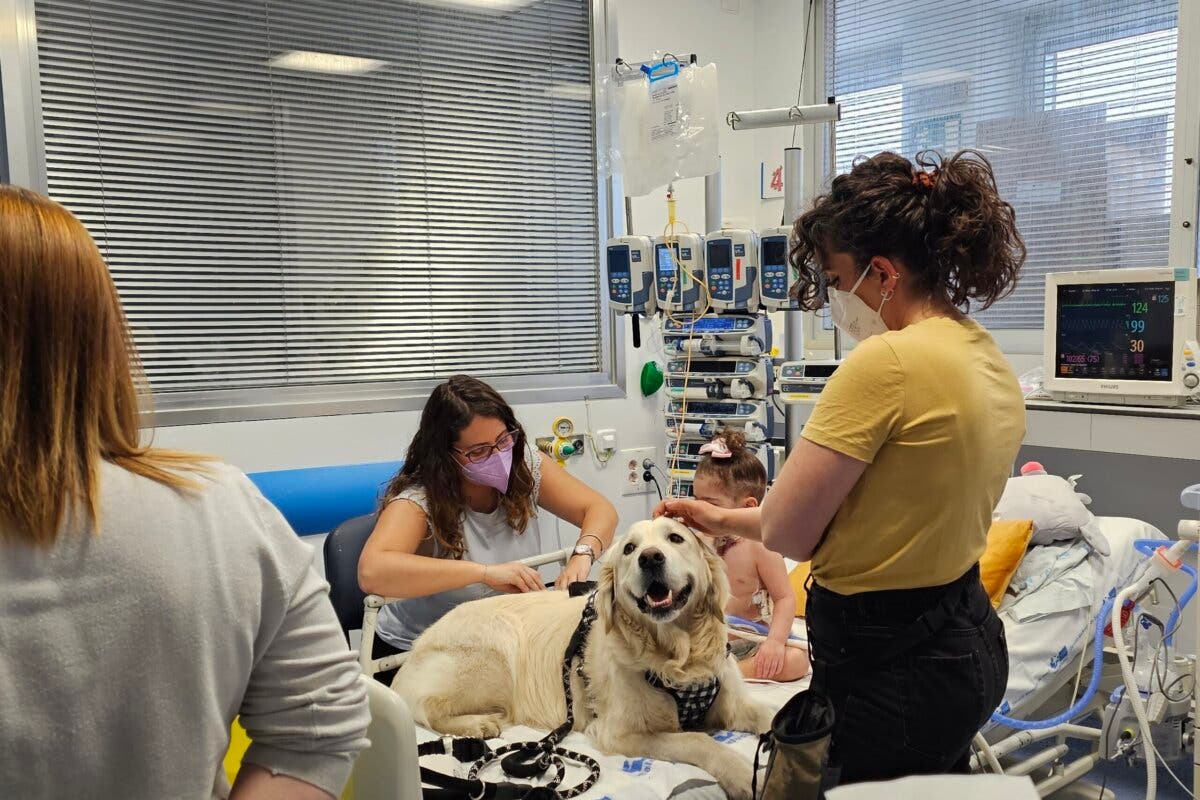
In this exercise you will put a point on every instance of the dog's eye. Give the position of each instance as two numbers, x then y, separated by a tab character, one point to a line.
675	538
629	548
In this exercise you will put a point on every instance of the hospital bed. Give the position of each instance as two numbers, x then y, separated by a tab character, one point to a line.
1048	623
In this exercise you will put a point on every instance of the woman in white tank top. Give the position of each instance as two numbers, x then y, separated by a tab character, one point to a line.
463	511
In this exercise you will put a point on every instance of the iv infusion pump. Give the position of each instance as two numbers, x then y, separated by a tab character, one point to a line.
1122	336
631	275
774	272
731	260
679	271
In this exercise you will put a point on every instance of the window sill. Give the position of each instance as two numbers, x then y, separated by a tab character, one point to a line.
250	405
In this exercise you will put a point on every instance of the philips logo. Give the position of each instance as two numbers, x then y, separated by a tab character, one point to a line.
1110	386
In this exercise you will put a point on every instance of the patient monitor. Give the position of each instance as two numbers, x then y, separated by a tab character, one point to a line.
1122	336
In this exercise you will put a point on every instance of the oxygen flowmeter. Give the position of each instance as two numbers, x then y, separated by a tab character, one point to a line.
775	274
679	271
731	261
631	275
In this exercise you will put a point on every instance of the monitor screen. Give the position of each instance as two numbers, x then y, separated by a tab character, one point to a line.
720	255
1116	331
666	264
618	260
774	252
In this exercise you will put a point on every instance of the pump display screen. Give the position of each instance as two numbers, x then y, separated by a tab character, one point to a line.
1115	331
618	261
774	252
720	256
666	264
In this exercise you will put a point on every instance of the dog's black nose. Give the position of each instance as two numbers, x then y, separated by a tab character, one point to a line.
651	558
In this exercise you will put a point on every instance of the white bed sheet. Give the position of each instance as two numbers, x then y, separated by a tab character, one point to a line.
638	778
1053	618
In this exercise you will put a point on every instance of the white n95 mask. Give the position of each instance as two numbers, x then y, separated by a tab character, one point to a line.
852	315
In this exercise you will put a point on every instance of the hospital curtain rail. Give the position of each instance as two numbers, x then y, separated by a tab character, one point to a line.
305	194
1073	102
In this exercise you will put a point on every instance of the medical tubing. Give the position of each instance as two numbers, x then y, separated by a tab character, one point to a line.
1131	690
1149	547
1082	703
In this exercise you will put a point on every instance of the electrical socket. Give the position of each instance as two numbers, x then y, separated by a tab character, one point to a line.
630	462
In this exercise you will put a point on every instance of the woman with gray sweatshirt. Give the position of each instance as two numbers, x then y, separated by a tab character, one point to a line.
147	597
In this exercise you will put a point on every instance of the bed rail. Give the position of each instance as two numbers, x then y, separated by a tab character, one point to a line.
370	666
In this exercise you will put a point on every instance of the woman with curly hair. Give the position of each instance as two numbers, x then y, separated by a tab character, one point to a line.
890	489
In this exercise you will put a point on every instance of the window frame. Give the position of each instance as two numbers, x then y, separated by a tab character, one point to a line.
1183	243
22	121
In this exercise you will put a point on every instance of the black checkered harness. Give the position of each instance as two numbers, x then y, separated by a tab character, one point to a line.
520	759
692	702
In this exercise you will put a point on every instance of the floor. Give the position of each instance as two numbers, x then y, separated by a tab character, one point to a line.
1129	782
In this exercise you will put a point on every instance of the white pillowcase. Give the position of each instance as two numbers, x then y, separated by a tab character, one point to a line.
1058	512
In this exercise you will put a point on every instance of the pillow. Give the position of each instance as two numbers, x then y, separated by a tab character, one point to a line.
1057	510
798	577
1007	541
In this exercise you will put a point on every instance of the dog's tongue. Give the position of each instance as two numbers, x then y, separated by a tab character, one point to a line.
664	601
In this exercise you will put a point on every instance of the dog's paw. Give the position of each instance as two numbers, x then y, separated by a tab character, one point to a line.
734	777
766	718
753	718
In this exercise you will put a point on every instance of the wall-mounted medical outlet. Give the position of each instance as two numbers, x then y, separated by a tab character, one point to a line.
559	448
630	462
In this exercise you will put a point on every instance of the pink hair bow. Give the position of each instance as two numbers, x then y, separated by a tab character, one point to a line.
716	448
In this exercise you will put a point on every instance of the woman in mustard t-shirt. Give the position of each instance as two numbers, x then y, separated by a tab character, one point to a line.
891	488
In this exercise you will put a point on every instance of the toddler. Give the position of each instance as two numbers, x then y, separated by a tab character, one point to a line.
731	476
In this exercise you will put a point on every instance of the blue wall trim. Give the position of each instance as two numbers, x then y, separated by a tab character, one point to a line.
318	499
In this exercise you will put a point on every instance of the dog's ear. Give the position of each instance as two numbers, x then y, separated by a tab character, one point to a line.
606	594
718	594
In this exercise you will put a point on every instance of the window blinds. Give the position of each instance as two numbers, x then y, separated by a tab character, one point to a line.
1073	101
302	193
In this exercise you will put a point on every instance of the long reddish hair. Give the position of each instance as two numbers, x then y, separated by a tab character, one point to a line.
68	396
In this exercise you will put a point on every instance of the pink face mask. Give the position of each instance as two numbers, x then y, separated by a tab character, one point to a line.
493	471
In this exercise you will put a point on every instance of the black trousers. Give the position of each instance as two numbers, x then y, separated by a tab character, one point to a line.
917	712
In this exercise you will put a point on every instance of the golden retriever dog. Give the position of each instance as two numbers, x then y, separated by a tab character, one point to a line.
660	604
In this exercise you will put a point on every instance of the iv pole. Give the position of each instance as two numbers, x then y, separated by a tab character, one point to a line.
793	200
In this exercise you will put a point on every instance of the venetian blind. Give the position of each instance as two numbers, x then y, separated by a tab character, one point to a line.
1073	101
296	193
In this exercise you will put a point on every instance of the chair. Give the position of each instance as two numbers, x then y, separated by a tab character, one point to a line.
341	551
389	768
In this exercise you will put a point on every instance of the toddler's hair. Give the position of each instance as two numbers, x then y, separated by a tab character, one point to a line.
740	472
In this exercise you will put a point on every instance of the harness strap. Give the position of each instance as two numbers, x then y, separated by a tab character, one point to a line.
522	759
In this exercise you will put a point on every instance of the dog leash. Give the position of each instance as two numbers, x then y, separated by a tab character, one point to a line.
524	760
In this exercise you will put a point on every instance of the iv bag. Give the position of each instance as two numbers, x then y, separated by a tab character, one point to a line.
666	128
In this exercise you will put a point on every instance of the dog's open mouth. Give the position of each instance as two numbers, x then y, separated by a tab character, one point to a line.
660	600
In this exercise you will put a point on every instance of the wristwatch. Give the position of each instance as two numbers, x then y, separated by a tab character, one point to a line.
585	550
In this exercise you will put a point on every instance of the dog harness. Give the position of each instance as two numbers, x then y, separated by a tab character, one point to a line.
692	703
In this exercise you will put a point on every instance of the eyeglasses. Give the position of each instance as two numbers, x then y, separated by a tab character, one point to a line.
480	452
